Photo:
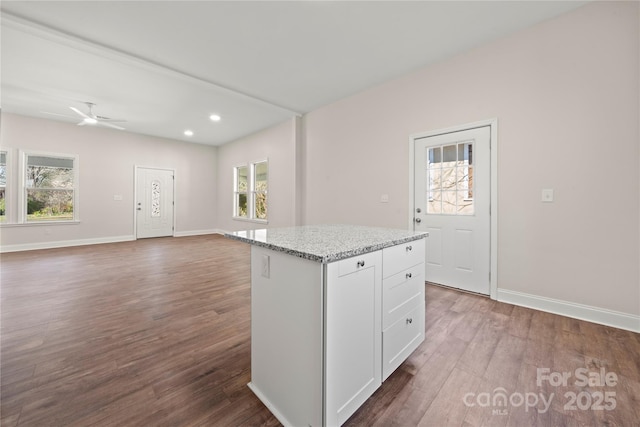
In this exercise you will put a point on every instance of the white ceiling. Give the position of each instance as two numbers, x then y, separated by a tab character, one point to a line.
165	66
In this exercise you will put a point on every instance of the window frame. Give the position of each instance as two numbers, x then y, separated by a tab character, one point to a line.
251	193
22	199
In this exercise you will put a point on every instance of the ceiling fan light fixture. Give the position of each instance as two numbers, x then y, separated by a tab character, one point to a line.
90	120
215	118
188	132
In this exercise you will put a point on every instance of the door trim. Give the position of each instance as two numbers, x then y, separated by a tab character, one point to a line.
135	198
493	147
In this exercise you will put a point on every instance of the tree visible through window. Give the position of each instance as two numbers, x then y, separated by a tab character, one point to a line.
50	188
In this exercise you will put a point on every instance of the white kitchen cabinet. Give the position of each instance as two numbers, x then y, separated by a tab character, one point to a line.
328	326
353	342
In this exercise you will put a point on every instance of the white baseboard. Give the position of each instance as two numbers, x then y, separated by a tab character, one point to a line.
197	232
64	243
603	316
95	241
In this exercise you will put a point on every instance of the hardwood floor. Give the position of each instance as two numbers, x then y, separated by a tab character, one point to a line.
156	333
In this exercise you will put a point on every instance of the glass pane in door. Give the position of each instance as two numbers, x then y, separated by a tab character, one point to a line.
450	179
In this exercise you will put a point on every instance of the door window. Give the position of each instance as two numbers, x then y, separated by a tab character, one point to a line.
450	179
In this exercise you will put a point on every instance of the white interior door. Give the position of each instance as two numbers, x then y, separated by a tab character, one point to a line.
452	202
154	202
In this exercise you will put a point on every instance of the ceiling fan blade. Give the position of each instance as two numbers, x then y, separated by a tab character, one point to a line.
80	113
82	123
107	119
107	124
57	114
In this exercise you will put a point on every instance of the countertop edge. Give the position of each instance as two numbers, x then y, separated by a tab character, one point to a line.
331	257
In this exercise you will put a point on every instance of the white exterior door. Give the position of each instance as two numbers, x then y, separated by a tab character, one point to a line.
452	202
154	202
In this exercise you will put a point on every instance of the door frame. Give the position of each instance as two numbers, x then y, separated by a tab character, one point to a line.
135	197
493	210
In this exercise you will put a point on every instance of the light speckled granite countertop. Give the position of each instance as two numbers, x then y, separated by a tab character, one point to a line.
326	243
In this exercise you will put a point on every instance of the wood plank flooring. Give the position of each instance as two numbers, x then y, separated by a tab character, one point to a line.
156	333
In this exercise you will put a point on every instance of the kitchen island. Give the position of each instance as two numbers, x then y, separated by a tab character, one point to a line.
335	309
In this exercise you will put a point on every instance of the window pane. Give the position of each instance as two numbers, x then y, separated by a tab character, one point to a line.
435	156
465	153
449	153
260	204
435	179
241	205
261	174
241	178
449	178
49	177
155	199
49	205
51	162
50	187
463	178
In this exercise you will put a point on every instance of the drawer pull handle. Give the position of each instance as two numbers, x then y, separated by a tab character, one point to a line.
408	275
360	263
409	320
409	248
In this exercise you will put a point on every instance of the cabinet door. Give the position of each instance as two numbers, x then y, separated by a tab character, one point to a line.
353	342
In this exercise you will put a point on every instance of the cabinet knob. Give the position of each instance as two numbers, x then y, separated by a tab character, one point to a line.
409	320
409	248
408	275
360	263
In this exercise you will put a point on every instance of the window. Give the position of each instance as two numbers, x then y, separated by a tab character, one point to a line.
250	191
450	186
259	190
3	186
50	188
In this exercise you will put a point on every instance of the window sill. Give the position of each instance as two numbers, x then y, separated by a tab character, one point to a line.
37	224
256	221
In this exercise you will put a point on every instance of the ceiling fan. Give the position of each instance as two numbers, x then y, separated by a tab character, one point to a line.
91	118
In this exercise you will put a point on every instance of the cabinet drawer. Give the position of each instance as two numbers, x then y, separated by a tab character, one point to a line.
400	257
401	339
356	263
401	292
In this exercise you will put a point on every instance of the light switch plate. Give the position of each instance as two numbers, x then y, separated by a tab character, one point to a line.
547	195
384	198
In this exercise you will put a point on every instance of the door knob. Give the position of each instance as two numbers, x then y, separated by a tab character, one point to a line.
418	220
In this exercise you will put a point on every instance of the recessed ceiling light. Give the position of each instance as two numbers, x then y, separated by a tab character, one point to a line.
188	132
215	118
